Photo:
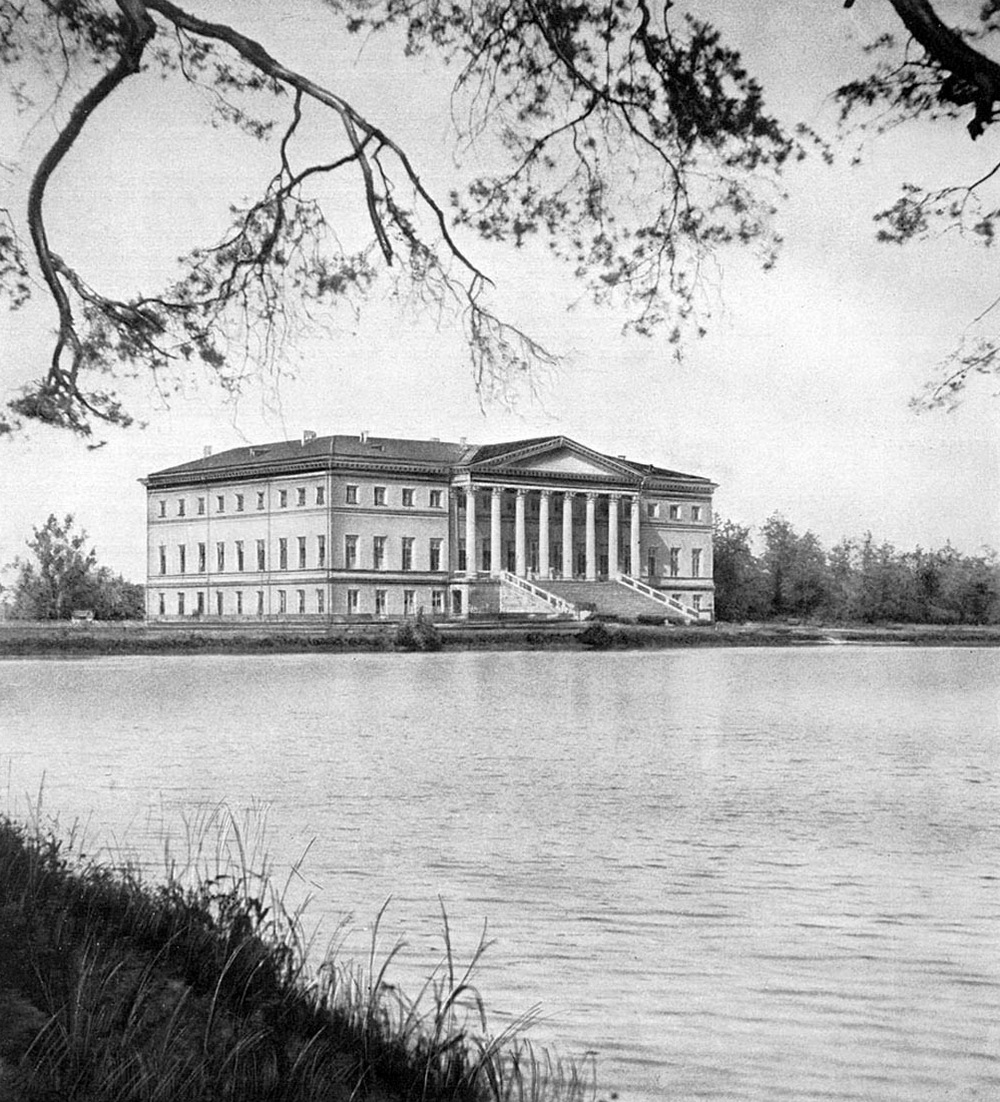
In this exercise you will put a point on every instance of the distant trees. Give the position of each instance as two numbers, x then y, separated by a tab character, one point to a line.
858	580
62	575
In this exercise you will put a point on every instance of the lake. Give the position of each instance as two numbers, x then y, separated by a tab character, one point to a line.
729	873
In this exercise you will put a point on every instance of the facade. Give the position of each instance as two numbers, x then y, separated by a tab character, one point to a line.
349	528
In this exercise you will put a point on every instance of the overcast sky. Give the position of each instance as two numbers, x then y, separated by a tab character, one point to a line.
796	401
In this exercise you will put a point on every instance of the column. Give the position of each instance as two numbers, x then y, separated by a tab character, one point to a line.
496	558
543	533
567	539
470	530
634	567
520	558
591	537
613	570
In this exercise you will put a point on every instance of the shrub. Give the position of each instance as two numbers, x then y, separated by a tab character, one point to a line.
597	636
419	634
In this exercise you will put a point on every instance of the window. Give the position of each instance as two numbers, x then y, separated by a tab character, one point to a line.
696	512
182	559
239	503
409	601
675	561
260	499
321	550
675	512
220	557
201	506
239	555
461	555
486	552
651	563
220	503
435	499
435	561
407	562
261	555
437	601
260	602
218	602
282	499
202	556
696	563
302	552
696	602
163	507
282	601
352	602
350	552
320	495
180	604
380	595
180	506
301	600
300	496
282	553
200	595
408	498
321	601
652	509
351	495
239	602
378	552
163	604
379	495
163	558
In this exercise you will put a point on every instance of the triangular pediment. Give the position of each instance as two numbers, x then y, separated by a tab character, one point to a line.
554	456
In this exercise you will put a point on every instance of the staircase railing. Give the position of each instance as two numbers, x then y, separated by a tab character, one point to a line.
557	603
688	612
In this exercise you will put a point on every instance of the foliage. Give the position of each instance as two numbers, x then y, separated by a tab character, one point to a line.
857	581
596	636
418	634
64	577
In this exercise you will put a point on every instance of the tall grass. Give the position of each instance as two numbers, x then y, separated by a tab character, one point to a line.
114	988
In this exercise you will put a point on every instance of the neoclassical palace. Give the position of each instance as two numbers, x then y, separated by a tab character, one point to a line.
361	527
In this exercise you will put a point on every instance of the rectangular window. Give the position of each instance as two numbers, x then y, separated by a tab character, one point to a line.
260	602
200	595
696	602
239	602
321	550
675	561
351	495
651	563
408	498
378	552
461	554
218	602
239	556
435	556
301	600
696	563
201	506
163	604
180	604
300	495
202	557
407	561
352	602
696	512
437	601
282	499
321	601
350	552
182	559
261	555
435	499
239	503
282	553
379	495
260	500
282	601
652	510
409	602
320	495
302	552
220	557
180	506
163	558
486	552
220	503
675	512
163	507
380	596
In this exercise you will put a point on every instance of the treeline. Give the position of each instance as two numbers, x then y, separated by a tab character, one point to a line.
793	575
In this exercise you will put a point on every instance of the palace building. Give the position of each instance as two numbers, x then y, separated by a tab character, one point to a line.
347	528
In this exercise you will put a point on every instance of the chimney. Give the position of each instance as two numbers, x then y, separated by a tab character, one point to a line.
363	437
307	435
206	451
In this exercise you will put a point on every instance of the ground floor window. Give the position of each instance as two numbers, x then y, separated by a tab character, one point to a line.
163	604
218	602
282	601
260	602
239	602
200	597
380	601
320	601
409	602
180	604
456	602
696	602
301	598
437	601
352	602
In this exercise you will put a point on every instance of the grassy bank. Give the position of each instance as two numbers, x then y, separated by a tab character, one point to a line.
113	989
30	640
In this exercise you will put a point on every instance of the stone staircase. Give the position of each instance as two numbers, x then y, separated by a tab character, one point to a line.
610	598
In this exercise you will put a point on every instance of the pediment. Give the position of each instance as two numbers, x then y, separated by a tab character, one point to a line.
558	456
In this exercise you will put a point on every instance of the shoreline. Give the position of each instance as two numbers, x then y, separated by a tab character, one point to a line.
31	640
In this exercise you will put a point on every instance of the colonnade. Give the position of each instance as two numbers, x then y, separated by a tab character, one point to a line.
545	566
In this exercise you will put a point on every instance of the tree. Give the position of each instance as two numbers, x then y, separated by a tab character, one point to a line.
63	576
630	137
740	586
795	568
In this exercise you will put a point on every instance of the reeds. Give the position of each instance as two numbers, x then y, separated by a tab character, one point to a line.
114	988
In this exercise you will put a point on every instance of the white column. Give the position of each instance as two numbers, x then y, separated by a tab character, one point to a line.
520	558
567	539
613	570
496	559
634	567
543	533
470	530
591	537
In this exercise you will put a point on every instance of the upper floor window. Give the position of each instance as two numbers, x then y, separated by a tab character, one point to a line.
201	506
407	561
302	552
350	552
675	512
163	507
282	553
652	509
696	563
300	496
239	555
201	558
163	559
260	499
696	512
675	561
220	557
320	495
282	499
435	501
378	552
435	556
239	503
261	555
220	503
408	498
321	550
180	506
351	495
182	559
379	495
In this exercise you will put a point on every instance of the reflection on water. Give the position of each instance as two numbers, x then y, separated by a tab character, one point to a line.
734	874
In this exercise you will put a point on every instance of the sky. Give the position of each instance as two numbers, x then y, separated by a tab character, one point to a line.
796	401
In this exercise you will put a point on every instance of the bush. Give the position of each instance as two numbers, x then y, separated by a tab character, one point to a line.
419	634
652	618
597	636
